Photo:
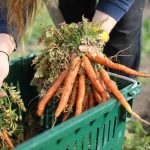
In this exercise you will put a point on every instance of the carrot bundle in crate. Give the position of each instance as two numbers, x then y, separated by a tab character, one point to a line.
75	52
101	127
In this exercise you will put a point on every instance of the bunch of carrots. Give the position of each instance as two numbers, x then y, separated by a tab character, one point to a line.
75	90
83	82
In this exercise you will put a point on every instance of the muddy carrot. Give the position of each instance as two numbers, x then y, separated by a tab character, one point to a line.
97	96
103	60
73	97
7	139
68	85
109	83
81	94
91	101
104	86
85	101
71	102
93	77
51	92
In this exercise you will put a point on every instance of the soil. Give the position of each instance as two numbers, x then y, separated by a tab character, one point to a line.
146	11
142	101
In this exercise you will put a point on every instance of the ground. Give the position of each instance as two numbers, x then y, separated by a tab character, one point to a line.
142	101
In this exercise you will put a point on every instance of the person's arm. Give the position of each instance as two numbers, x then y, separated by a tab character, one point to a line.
111	11
7	45
107	14
109	22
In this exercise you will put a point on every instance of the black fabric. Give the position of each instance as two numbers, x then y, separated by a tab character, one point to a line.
73	10
125	39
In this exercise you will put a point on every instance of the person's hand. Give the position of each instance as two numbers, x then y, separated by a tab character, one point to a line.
7	45
87	48
4	67
104	38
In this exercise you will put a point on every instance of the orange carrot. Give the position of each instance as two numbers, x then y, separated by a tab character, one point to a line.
71	103
101	81
107	95
73	97
66	116
51	92
68	85
81	94
103	60
93	77
104	86
7	139
97	96
85	101
91	101
109	83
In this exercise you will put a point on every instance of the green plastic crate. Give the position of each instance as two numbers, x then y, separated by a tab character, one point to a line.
100	128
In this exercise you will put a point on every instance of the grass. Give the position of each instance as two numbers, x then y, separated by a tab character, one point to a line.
136	137
34	31
146	36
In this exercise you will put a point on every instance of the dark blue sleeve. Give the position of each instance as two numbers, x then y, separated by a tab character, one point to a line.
4	25
3	20
114	8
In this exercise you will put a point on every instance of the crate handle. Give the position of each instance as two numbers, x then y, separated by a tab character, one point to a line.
124	78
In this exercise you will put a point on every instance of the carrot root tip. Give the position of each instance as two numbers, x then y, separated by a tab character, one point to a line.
139	118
